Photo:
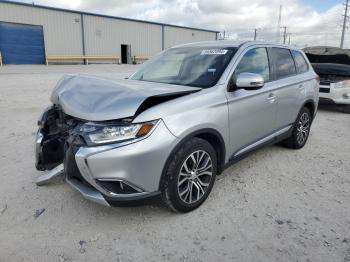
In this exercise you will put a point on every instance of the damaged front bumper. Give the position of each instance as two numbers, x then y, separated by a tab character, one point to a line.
119	174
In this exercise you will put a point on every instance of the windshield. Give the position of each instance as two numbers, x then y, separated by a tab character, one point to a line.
190	66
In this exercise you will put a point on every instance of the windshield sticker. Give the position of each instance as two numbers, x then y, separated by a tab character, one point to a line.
214	52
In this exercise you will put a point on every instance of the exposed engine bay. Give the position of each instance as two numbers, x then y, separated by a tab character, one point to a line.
55	128
331	73
94	106
330	63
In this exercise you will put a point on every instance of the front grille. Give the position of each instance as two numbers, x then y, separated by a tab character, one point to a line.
324	90
326	82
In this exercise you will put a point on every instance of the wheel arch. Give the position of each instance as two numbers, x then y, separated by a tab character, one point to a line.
310	104
210	135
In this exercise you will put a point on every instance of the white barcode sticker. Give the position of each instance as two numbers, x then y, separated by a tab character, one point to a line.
214	52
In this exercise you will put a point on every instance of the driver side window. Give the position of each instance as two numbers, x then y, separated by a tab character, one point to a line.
254	61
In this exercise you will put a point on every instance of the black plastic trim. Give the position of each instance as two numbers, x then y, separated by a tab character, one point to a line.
134	200
325	90
270	142
313	108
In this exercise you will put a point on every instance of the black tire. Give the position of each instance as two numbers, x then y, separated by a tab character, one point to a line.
172	181
294	141
345	109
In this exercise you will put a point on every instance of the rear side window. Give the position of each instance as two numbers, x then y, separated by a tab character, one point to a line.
284	63
300	62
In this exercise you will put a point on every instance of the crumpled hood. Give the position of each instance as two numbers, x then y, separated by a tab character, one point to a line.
97	99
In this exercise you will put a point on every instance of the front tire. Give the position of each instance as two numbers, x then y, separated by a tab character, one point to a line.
190	176
301	130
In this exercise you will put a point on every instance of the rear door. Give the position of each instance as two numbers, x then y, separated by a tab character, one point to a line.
289	86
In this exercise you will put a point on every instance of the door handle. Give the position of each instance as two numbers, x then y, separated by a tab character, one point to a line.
301	86
272	98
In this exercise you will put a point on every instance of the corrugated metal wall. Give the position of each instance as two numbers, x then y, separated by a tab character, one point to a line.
175	36
103	35
62	30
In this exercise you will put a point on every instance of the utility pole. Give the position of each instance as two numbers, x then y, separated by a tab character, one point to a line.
284	34
289	38
278	32
255	33
344	24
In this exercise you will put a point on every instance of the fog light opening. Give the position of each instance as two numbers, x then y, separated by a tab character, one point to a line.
118	187
346	95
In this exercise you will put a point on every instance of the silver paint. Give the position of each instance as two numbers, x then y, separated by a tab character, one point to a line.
87	192
140	164
50	175
241	117
96	99
262	141
250	80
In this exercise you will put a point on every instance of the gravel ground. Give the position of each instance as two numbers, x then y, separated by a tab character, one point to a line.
275	205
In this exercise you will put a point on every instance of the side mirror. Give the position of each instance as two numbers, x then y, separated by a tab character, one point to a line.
249	81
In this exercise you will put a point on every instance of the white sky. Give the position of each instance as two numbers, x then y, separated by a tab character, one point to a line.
237	17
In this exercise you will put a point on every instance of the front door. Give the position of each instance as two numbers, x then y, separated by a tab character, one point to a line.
252	113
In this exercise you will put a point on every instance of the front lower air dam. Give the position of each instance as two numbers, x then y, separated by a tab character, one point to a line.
50	175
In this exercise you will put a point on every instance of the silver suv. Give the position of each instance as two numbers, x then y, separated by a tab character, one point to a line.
169	129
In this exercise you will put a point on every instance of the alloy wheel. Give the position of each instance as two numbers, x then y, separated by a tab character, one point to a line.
195	176
303	128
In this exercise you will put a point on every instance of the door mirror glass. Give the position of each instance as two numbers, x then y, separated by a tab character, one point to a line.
249	81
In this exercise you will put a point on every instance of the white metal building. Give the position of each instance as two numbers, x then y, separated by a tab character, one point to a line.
29	32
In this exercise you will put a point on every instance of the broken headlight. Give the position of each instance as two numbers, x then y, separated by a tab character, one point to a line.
342	84
101	133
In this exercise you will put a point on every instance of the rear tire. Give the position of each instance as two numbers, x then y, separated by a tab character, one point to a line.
345	109
301	130
190	176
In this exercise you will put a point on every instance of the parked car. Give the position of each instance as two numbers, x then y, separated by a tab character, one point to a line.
332	64
169	129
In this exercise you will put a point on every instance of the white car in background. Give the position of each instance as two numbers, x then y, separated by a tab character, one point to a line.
332	64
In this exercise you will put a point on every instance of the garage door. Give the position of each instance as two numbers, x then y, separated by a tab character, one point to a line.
21	44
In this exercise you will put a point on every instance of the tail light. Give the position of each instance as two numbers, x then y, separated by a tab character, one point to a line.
318	79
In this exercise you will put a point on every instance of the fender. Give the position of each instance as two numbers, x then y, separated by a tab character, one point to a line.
196	133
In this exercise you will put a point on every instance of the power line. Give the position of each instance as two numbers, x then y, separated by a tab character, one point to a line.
344	24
